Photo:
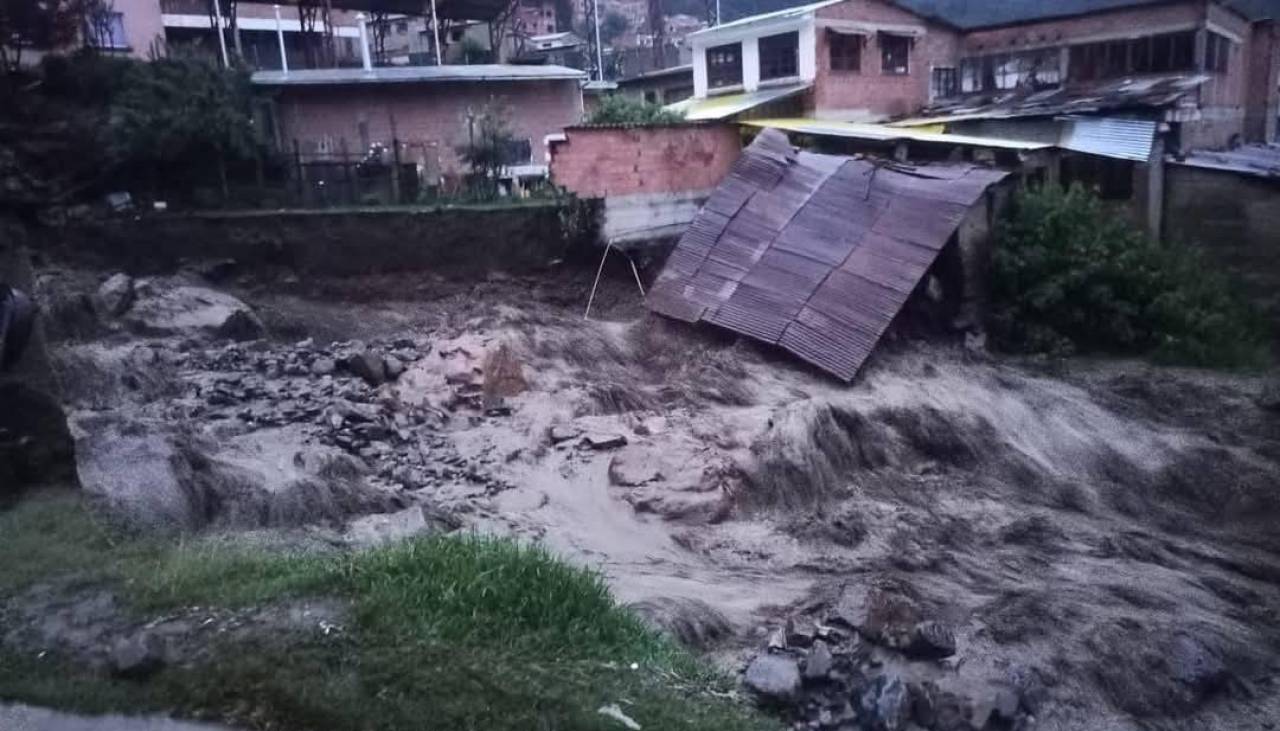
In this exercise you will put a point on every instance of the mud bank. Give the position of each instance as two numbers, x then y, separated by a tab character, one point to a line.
1096	540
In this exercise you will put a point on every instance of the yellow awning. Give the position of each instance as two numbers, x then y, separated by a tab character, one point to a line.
885	133
728	105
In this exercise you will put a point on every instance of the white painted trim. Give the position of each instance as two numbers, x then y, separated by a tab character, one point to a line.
755	31
699	72
173	20
1209	24
751	64
808	52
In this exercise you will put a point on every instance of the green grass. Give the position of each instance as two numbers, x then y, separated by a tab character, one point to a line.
444	633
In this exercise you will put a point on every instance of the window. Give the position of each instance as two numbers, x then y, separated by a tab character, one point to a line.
894	54
724	65
402	27
651	97
845	51
1038	69
779	56
1165	53
1217	53
107	31
944	83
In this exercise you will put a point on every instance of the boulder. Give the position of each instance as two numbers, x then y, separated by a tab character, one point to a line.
601	441
886	704
818	663
635	466
393	367
503	375
561	433
137	657
367	366
931	640
323	366
164	307
115	296
240	326
773	678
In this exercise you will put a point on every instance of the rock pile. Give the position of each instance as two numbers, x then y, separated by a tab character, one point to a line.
855	670
334	393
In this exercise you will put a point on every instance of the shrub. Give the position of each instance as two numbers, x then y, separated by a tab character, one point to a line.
1070	275
615	109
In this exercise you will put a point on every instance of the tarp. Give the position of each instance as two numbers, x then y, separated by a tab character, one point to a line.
728	105
814	253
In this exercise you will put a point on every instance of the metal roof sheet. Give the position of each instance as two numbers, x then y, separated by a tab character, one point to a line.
415	75
1261	161
815	253
884	133
1124	139
728	105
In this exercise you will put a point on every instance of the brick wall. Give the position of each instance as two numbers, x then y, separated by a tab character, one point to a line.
430	120
869	94
1264	75
599	162
143	26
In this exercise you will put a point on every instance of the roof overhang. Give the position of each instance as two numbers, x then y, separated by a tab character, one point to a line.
730	105
415	75
882	133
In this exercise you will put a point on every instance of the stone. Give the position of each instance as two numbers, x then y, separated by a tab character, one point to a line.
1196	666
818	663
323	366
1269	399
137	657
367	366
777	639
393	367
801	632
560	433
931	640
240	326
600	441
115	296
1005	704
635	466
773	678
503	375
886	704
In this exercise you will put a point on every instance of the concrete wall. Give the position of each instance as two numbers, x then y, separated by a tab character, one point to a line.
652	179
869	94
1262	108
430	120
1236	219
464	240
143	27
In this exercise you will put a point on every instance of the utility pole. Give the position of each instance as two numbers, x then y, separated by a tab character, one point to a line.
284	57
222	39
595	11
435	30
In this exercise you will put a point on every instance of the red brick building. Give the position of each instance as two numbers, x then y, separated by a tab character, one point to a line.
1209	69
430	110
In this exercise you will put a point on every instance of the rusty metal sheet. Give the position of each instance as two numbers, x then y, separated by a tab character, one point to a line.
815	253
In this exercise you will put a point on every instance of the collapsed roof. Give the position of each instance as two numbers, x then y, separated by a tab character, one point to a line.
815	253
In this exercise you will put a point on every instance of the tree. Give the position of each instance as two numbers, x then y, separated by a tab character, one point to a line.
617	109
180	115
43	24
613	25
488	150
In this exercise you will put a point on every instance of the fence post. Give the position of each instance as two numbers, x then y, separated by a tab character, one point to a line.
346	172
395	170
297	173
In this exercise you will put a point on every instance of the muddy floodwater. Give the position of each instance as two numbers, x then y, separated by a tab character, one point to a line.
1081	545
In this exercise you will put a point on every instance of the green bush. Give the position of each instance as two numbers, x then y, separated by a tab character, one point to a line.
617	109
1070	275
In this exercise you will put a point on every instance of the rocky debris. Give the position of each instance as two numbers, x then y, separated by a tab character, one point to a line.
137	657
115	296
368	366
600	441
560	433
885	705
931	640
323	366
375	530
774	678
392	367
240	326
818	663
503	375
635	466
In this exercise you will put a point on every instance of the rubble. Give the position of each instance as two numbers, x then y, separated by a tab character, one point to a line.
775	678
115	296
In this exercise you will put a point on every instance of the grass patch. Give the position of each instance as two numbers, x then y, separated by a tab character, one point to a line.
445	632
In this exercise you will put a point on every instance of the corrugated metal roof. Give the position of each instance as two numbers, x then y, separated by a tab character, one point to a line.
974	14
728	105
415	75
814	253
1124	139
1261	161
883	133
781	11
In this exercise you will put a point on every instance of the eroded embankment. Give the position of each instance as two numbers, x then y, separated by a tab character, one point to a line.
1094	542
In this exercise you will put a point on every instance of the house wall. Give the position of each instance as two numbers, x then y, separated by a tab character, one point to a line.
143	26
869	94
652	179
1236	220
1262	107
430	120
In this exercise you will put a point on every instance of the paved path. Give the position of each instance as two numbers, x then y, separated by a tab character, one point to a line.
27	718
